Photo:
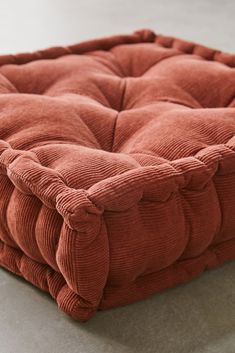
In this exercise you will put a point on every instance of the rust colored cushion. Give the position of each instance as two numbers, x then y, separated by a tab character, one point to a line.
117	167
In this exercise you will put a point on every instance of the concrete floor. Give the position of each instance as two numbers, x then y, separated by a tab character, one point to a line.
198	317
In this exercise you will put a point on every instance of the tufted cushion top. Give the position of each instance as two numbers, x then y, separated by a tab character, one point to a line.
117	167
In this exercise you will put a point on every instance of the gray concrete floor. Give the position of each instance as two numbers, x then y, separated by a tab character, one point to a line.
198	317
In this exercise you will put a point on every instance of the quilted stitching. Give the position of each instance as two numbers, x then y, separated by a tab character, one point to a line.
117	167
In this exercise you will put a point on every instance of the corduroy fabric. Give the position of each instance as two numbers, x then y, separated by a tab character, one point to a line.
117	167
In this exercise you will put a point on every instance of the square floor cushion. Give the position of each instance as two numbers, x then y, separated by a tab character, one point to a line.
117	167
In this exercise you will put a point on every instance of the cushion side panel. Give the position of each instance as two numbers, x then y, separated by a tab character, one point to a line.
178	273
45	278
80	249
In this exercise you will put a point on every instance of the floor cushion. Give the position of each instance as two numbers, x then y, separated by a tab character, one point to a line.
117	167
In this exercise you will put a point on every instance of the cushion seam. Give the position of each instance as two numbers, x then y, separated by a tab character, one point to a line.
105	44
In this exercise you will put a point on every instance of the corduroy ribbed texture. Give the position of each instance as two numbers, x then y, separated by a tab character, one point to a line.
117	167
